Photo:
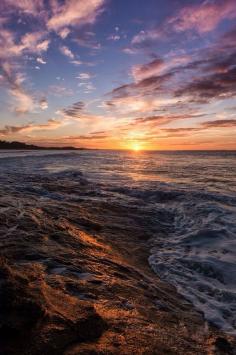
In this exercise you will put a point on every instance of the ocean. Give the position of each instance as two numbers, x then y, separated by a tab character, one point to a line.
187	200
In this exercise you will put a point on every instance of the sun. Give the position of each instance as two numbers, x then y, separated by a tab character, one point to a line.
136	147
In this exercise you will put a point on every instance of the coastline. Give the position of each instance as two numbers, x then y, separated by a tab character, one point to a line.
75	280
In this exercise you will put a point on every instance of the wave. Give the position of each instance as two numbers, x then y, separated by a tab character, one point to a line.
198	257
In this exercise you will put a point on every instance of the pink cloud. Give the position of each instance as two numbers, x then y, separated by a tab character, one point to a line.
74	12
202	18
23	102
140	72
30	42
26	6
205	17
64	32
158	66
146	36
67	52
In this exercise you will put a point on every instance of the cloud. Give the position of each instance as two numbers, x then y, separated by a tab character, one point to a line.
60	91
220	124
74	13
64	32
184	131
67	52
87	39
159	66
146	86
50	124
17	48
129	50
29	43
145	39
143	71
201	78
133	132
24	102
200	18
43	104
76	62
89	136
10	51
164	119
136	104
220	83
26	6
32	43
42	46
9	130
75	110
41	61
203	17
87	87
84	76
114	38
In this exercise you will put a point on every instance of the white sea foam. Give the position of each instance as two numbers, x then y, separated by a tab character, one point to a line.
199	257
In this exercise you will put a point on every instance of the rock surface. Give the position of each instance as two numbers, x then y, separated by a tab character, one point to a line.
74	279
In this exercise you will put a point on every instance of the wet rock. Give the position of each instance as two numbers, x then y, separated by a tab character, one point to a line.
37	319
223	347
162	306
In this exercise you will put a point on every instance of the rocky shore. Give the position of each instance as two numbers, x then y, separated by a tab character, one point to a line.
74	278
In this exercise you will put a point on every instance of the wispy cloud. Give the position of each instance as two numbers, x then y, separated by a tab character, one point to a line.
26	6
220	124
41	60
89	136
74	13
64	32
67	52
74	111
203	17
60	91
58	16
43	103
24	102
87	39
51	124
200	18
143	71
198	79
34	42
84	76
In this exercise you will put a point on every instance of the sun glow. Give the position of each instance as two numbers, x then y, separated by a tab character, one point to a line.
135	146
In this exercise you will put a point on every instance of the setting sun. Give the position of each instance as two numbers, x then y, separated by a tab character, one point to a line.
136	147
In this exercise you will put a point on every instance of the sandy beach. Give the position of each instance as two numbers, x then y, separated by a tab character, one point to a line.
75	279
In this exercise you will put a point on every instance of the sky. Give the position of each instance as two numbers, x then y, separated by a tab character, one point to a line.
119	74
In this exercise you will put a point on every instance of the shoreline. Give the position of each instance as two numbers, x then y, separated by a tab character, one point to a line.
75	279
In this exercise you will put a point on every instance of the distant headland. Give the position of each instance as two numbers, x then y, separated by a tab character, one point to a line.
24	146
